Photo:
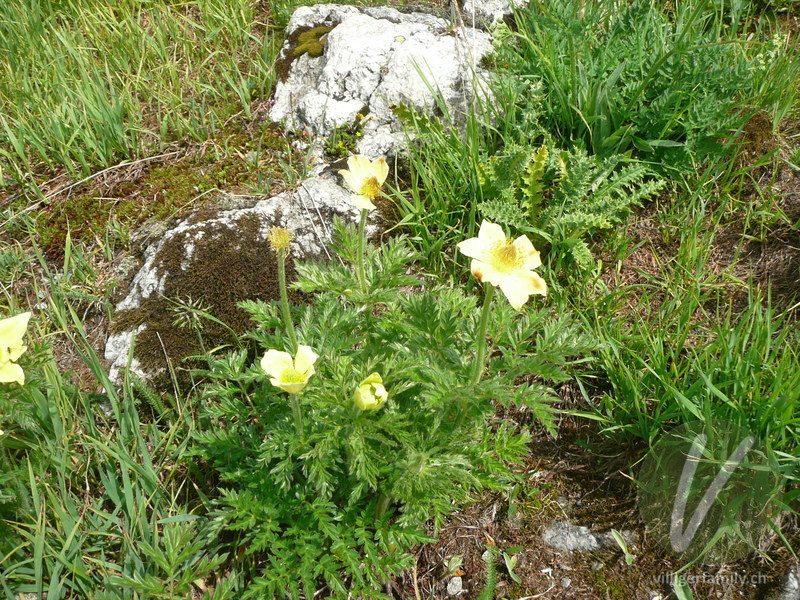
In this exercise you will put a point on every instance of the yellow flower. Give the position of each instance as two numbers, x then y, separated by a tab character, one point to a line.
505	264
365	178
371	394
11	348
289	375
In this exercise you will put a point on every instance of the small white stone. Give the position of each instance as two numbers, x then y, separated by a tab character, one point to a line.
455	586
567	537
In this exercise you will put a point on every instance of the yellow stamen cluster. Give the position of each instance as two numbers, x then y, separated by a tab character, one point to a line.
506	257
371	188
279	238
293	376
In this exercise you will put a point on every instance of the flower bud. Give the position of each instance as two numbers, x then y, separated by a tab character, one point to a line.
370	394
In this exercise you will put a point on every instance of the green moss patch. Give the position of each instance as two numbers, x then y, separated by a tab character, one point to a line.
303	40
228	264
160	191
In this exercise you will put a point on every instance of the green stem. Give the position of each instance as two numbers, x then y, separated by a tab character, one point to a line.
382	506
287	316
362	282
298	415
481	338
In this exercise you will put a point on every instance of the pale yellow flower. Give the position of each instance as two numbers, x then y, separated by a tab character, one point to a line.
365	178
11	347
505	264
370	394
289	375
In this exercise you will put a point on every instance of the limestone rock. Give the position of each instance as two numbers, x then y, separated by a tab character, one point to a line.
485	13
790	588
212	262
368	60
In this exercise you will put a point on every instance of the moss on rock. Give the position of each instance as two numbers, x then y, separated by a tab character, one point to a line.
303	40
228	263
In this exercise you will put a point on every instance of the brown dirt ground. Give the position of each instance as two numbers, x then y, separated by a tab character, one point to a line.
586	478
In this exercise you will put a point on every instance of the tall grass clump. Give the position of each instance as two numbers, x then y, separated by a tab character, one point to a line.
631	76
85	83
92	505
678	347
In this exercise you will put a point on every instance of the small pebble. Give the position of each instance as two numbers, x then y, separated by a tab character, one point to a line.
791	584
455	586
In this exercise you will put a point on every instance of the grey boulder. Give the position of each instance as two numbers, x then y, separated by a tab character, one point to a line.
368	61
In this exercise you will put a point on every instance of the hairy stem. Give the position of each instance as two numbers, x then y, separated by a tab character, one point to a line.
298	415
287	316
481	337
362	282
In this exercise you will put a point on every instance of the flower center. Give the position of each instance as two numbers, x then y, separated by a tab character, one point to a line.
292	376
371	188
505	257
279	238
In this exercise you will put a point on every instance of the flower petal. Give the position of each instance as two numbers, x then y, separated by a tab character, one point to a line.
529	254
16	351
539	285
12	372
294	387
304	359
362	202
360	166
491	233
520	285
350	180
275	363
489	274
476	267
473	247
372	378
380	169
13	328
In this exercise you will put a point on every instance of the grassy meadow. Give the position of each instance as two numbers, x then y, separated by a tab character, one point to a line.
649	150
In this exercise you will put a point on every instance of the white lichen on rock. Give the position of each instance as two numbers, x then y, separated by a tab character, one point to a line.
485	13
373	60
